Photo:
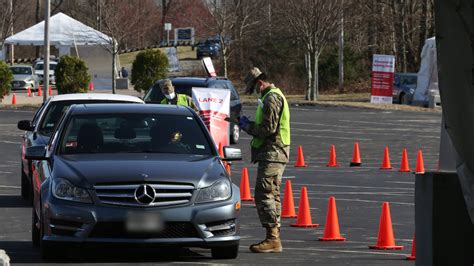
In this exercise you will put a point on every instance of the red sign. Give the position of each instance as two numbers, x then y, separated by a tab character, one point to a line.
383	68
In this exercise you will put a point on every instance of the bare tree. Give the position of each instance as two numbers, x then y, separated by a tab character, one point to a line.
314	23
123	20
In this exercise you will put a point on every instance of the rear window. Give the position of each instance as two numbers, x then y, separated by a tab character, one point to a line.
155	95
134	133
56	110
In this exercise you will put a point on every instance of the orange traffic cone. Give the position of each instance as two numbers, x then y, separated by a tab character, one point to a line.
40	91
385	238
331	230
356	161
28	92
245	187
50	91
332	157
413	249
91	86
288	208
420	165
221	150
386	160
14	99
300	158
304	215
404	165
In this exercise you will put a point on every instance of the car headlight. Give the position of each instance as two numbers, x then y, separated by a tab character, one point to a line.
63	189
220	190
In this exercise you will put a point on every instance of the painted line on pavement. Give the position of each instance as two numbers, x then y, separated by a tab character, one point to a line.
342	251
356	187
3	186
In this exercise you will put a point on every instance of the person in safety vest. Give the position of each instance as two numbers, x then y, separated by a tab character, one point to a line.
270	149
171	97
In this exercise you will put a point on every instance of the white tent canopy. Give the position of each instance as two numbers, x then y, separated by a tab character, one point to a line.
70	36
64	31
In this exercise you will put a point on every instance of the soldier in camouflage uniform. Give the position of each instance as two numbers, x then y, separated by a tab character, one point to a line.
171	97
270	149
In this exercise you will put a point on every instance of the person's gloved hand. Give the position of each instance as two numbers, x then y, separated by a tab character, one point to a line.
244	123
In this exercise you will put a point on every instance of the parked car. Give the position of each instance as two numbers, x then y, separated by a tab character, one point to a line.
39	129
39	71
404	86
24	78
133	174
208	48
185	84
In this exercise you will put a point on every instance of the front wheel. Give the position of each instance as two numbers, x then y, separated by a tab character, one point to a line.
35	231
229	252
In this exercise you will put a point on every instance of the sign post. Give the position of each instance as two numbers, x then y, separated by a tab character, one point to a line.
167	29
383	68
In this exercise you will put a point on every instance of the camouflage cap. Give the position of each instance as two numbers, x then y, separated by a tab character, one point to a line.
167	86
251	78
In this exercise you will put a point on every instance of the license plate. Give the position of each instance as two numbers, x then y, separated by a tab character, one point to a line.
142	222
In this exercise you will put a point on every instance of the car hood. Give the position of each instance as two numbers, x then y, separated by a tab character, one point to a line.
86	170
22	77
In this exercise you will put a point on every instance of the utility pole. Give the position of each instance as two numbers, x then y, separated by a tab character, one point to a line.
46	51
12	46
99	15
341	51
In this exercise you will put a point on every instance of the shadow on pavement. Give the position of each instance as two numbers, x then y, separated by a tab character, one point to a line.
25	252
13	202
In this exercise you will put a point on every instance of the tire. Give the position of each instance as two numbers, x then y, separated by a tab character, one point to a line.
229	252
35	231
404	99
234	134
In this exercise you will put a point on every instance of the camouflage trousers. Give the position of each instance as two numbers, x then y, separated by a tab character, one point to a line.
267	192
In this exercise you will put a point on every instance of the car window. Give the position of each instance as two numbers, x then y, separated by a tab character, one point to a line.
134	133
233	92
56	109
38	113
40	66
21	70
407	80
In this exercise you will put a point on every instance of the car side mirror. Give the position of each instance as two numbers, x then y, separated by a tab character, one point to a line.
25	125
232	154
36	153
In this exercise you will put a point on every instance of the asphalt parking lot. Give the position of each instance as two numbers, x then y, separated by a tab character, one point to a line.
359	192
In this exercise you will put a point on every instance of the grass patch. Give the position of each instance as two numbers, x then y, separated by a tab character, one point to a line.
184	52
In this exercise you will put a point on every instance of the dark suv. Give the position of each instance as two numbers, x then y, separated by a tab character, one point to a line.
183	85
209	48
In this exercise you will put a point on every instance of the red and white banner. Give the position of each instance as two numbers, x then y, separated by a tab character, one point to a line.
383	68
214	107
209	67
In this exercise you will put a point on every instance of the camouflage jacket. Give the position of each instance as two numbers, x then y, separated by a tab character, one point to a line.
272	150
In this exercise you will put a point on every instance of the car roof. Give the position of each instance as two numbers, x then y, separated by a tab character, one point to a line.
196	81
95	96
21	66
131	108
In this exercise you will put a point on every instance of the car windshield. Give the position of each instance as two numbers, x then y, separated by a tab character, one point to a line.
407	80
21	70
40	66
134	133
56	110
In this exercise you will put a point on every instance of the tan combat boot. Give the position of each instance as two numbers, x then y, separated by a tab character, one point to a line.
271	244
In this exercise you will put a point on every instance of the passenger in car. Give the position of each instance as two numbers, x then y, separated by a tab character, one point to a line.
171	97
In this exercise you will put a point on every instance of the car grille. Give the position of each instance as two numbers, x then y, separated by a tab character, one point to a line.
118	230
164	194
17	83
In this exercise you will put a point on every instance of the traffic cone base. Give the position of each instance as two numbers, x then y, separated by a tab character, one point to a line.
288	206
387	247
332	239
355	164
300	158
245	187
413	250
411	258
304	215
